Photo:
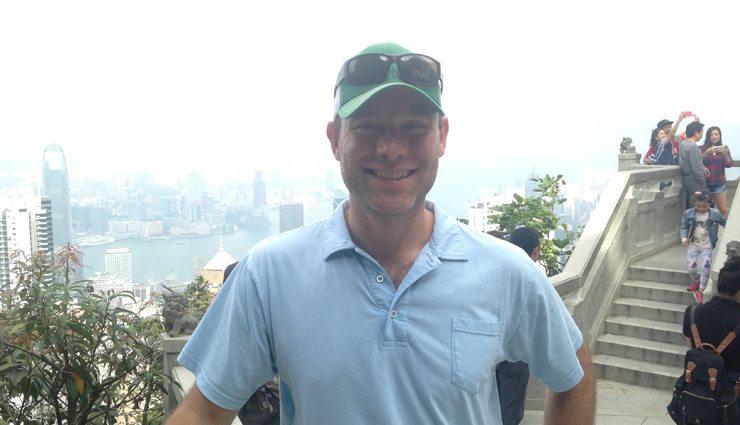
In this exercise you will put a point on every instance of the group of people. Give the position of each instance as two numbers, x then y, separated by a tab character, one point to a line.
389	311
702	166
703	180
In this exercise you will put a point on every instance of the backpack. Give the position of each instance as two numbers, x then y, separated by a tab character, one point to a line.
704	394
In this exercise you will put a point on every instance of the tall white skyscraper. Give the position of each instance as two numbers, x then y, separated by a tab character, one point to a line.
291	216
118	263
25	225
259	190
56	187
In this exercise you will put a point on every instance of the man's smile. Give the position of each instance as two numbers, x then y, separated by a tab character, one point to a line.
391	174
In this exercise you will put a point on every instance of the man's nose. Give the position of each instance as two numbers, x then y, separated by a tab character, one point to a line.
391	145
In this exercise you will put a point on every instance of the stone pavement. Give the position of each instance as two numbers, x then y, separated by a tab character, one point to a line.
622	404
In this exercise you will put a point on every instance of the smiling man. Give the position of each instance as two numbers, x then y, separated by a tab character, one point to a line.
389	311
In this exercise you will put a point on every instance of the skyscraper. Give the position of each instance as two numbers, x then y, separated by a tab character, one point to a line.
55	185
530	185
259	190
118	264
291	216
25	225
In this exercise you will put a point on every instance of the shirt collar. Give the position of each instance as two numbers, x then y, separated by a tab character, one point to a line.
447	242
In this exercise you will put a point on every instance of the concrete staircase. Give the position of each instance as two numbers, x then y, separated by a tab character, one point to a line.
643	342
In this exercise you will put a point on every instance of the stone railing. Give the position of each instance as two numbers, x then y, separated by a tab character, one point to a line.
171	347
634	219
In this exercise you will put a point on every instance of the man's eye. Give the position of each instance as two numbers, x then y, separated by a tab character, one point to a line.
368	128
416	126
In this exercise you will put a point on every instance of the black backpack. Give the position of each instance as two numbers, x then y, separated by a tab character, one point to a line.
703	394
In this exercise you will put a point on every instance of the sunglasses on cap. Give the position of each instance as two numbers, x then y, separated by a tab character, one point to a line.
372	68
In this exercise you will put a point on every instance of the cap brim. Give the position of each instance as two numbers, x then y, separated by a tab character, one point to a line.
352	105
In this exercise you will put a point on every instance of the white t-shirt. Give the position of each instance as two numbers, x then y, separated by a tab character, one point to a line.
700	238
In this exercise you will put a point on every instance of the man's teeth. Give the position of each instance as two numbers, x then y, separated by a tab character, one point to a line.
391	175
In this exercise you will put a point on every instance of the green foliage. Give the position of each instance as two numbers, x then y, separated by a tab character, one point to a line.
67	356
538	212
198	295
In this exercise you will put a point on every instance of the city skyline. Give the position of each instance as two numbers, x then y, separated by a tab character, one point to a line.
106	215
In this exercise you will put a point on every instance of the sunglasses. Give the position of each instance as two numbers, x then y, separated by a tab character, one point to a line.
372	68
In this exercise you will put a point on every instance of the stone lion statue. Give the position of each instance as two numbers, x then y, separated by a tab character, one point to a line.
626	145
177	319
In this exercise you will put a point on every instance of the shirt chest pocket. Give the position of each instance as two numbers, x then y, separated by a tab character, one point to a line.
476	349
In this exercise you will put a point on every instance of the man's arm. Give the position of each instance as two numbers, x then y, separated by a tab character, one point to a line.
197	409
672	133
697	168
577	406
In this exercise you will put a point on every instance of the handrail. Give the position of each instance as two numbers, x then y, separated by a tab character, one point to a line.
635	218
603	215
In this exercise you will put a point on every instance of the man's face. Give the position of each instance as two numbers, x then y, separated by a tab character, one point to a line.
389	152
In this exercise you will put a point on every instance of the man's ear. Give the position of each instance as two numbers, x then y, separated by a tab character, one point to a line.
443	130
332	134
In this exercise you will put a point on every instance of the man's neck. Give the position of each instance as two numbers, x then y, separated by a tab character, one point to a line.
393	241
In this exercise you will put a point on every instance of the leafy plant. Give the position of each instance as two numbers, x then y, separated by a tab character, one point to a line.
198	295
538	212
68	356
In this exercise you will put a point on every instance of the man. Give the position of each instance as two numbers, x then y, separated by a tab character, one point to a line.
665	151
689	159
389	311
512	377
528	239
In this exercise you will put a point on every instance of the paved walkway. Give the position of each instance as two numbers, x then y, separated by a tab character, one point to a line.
622	404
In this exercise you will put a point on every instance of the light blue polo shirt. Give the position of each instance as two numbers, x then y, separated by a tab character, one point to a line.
350	348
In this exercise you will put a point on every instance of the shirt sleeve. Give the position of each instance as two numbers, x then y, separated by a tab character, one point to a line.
229	352
547	338
683	228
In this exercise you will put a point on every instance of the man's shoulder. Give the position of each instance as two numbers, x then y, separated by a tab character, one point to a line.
311	235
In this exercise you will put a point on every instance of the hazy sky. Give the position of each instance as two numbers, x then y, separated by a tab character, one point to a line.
230	87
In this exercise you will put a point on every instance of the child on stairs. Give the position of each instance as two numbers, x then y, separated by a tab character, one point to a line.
699	226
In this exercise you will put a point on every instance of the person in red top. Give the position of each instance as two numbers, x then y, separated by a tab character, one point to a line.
716	157
660	152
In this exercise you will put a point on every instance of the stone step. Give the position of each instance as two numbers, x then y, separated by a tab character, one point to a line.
641	349
636	372
659	274
657	291
653	330
649	309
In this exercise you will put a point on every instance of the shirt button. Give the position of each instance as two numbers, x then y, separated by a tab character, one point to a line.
394	313
380	279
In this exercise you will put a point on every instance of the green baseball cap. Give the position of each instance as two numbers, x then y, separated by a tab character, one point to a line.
349	98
